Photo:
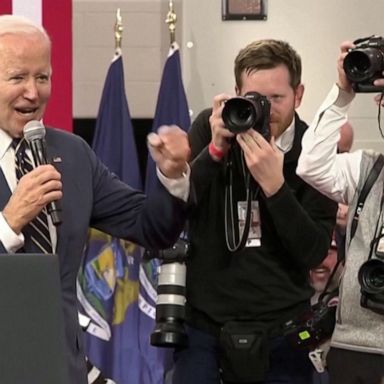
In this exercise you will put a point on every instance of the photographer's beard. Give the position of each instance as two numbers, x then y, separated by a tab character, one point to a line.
280	120
320	275
319	278
318	282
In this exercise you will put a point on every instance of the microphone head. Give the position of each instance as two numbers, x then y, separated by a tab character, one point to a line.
34	130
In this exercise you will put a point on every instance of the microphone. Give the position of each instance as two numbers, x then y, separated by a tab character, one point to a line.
34	133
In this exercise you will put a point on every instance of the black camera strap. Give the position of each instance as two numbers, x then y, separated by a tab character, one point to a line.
325	291
372	176
231	233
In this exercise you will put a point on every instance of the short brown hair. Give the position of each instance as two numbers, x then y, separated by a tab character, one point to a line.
267	54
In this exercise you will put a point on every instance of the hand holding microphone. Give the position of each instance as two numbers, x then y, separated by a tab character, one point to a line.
34	133
37	189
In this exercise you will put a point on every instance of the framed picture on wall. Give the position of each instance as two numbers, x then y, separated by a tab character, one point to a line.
243	9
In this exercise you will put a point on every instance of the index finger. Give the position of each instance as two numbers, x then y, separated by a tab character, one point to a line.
218	100
258	138
345	46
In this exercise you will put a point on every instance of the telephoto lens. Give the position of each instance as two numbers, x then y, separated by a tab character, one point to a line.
170	305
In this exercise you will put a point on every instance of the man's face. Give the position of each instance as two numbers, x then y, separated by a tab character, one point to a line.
274	83
319	276
25	80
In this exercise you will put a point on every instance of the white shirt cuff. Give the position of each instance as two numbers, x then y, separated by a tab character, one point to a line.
11	241
176	187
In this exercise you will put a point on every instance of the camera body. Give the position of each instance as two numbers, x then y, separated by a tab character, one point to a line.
365	63
249	111
170	304
313	327
371	279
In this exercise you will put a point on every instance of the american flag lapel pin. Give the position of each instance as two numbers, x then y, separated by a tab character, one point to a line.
56	159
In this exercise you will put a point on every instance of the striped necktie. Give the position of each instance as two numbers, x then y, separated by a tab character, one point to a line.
37	230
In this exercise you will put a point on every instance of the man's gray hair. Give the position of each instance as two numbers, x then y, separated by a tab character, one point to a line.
12	24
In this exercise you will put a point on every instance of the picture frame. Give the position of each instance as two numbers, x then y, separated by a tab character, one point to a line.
243	10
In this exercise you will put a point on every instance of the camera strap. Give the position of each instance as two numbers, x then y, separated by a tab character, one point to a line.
230	230
372	176
325	291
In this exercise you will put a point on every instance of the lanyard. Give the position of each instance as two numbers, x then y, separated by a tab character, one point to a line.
251	192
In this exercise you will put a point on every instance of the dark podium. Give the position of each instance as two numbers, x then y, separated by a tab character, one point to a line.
31	320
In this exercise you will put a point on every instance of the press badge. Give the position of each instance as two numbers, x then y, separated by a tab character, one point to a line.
254	235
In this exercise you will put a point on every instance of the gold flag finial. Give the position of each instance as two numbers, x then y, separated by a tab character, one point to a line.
171	21
118	31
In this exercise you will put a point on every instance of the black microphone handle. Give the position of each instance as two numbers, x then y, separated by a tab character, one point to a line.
39	153
54	211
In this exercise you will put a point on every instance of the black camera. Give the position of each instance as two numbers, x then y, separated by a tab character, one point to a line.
249	111
313	327
170	304
365	63
371	279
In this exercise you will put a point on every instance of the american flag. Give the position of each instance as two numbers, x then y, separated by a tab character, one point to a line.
56	17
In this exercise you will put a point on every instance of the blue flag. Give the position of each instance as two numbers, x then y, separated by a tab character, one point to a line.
108	281
172	108
172	105
114	142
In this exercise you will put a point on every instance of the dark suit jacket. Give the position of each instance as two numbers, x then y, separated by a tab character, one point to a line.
92	196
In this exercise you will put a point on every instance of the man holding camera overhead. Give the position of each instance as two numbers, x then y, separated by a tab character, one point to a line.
357	345
257	229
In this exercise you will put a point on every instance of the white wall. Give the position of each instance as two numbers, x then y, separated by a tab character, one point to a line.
315	28
145	46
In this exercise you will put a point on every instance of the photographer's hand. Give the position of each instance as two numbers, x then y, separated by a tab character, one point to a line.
343	82
221	137
264	160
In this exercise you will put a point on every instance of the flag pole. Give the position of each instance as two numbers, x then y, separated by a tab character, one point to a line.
171	21
118	32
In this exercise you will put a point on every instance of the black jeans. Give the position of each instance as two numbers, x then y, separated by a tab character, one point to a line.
351	367
198	363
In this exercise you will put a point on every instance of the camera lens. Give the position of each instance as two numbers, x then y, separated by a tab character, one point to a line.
249	111
169	329
362	64
239	114
371	276
170	307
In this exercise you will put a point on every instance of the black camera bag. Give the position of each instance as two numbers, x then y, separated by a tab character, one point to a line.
244	354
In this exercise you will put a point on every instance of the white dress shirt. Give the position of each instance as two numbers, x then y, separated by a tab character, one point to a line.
285	141
11	241
335	175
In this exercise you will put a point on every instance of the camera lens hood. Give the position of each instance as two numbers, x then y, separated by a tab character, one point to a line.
362	64
371	277
239	114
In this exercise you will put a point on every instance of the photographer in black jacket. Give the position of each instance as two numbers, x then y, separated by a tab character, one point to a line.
254	290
